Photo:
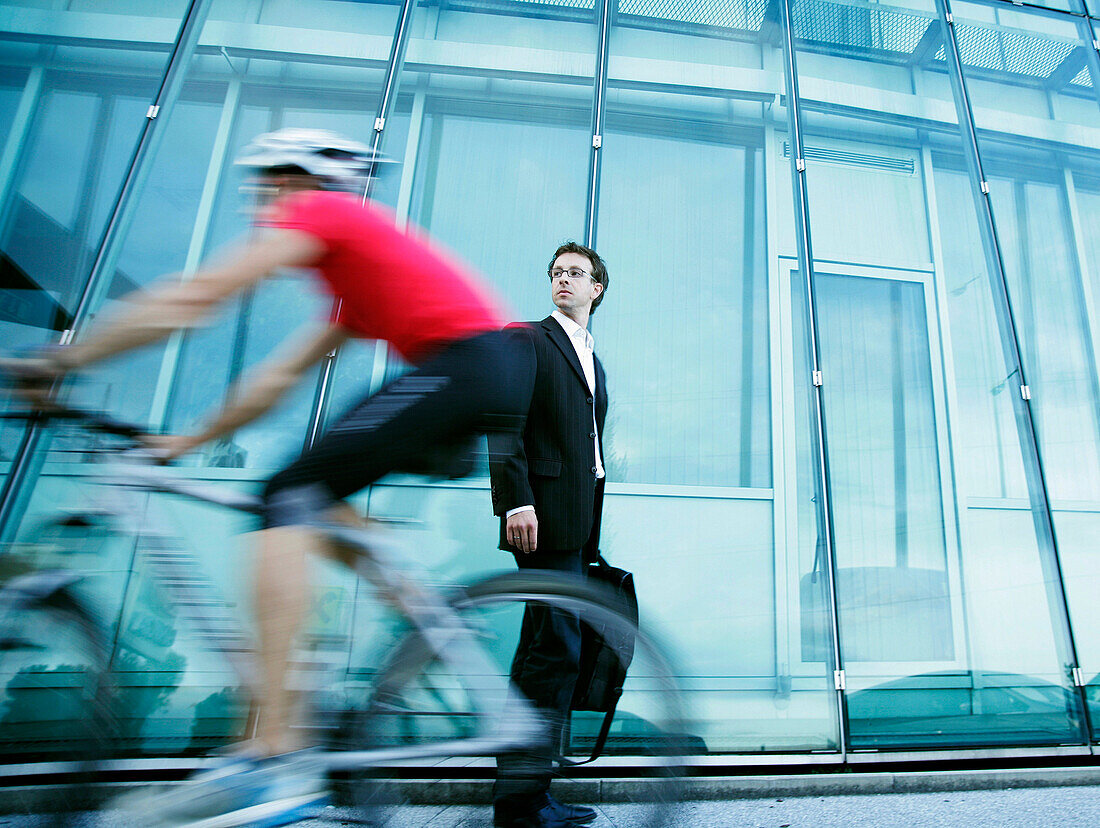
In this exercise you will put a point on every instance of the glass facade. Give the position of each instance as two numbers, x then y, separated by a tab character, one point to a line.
852	335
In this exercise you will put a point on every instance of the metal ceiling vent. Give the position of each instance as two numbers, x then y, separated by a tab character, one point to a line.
867	161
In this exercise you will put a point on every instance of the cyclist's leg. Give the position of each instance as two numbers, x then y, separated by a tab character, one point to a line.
456	393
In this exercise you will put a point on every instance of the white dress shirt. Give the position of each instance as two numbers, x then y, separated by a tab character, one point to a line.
584	345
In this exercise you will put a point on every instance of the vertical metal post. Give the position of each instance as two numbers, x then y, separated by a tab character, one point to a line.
822	482
1038	492
599	94
30	454
17	138
1091	37
396	61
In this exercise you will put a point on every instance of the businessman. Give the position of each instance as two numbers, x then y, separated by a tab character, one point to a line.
547	487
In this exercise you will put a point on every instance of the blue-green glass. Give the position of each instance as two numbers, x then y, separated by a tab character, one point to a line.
69	120
938	565
688	217
718	353
315	64
318	87
44	684
496	170
1041	178
73	115
493	170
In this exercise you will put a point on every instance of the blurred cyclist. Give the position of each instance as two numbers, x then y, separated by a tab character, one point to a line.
467	379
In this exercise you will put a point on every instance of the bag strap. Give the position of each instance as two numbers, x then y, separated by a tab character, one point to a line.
601	739
608	717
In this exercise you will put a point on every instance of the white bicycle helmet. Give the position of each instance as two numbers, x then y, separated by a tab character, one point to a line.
340	163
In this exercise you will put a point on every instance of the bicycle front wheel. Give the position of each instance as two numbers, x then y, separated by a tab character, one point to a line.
58	697
419	702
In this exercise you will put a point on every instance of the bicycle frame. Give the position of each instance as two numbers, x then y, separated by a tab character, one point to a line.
178	573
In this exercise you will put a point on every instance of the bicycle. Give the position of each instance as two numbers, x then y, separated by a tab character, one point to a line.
441	692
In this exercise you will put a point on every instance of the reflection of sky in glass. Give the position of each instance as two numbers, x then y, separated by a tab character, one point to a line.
671	332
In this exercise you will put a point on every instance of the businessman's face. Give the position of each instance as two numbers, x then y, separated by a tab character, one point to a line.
570	290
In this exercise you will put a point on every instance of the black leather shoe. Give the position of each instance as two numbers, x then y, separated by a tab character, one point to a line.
576	814
545	817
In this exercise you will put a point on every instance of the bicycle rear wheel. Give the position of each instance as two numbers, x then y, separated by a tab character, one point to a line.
419	702
58	699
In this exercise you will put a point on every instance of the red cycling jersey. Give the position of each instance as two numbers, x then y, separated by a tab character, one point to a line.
393	286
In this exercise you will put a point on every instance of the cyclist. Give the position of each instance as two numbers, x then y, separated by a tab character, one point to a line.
468	378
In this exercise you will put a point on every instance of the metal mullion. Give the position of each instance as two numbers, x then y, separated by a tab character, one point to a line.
17	138
1038	492
599	96
805	266
1091	36
30	453
125	205
322	396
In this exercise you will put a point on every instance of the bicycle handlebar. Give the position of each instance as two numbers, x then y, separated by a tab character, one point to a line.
92	420
24	373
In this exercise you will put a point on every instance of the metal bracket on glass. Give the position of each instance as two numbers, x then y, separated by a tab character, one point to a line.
839	680
1025	392
1078	677
818	380
597	141
1096	45
66	336
950	18
985	187
379	124
152	112
800	164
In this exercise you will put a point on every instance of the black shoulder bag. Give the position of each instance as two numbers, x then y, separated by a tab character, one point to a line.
605	654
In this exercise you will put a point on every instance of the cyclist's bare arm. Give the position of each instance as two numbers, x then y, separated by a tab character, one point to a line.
272	380
152	315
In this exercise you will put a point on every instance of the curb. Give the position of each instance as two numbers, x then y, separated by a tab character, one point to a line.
479	792
28	798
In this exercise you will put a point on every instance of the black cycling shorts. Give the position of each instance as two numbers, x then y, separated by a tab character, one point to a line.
473	386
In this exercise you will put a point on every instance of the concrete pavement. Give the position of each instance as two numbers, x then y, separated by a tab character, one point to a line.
1071	807
1037	798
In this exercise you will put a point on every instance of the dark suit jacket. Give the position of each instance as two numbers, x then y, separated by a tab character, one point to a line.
552	465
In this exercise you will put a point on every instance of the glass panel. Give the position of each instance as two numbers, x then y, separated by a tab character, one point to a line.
689	222
261	66
663	415
494	163
296	73
70	118
1044	227
44	681
938	562
320	65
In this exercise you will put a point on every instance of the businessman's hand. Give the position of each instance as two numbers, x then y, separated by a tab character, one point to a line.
522	531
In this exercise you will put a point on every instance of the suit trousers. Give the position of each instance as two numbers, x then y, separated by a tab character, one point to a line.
545	670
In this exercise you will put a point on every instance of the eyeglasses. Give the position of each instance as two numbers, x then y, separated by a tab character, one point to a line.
572	273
